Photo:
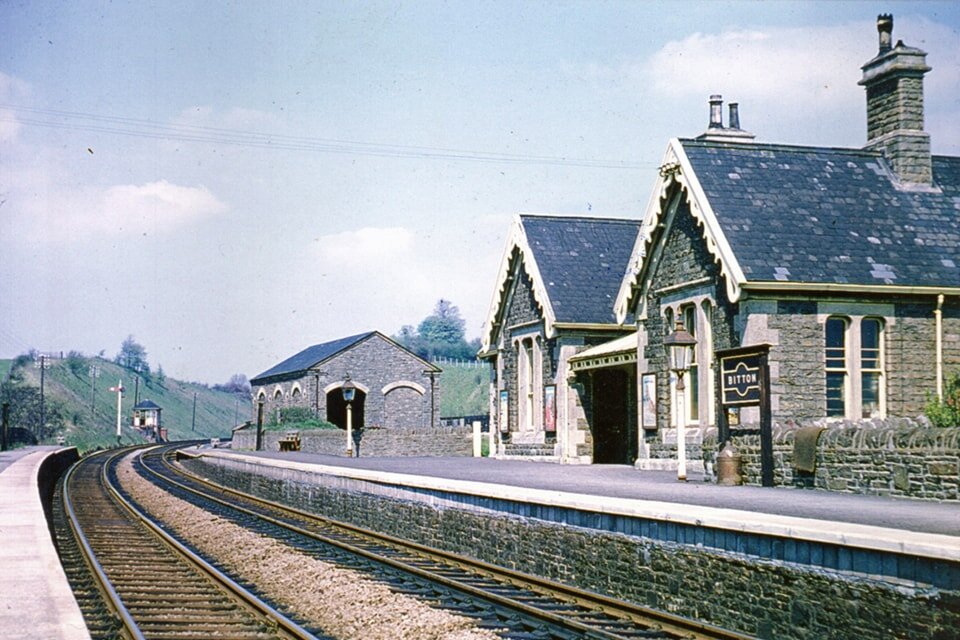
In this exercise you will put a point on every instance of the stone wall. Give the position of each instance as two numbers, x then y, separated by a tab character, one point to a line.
895	457
442	441
769	599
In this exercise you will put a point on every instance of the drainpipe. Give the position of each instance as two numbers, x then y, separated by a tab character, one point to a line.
938	315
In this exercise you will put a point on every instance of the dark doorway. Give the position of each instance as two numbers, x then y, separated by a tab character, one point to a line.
337	409
613	439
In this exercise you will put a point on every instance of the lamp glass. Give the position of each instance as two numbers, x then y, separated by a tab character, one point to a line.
680	345
349	389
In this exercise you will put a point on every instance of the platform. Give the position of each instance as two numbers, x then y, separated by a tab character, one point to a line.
35	598
908	542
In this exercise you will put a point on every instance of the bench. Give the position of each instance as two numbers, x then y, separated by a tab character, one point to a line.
290	441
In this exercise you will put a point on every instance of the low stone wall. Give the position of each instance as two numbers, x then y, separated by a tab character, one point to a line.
769	599
446	441
895	457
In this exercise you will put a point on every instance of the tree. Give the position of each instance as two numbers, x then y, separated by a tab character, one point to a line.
133	356
439	335
237	383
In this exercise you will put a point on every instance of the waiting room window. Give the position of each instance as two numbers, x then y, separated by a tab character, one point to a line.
836	367
692	379
871	367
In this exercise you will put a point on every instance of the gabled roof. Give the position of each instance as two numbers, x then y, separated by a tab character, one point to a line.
576	264
782	217
296	365
146	404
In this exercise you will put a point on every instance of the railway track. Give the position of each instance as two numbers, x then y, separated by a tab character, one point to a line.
518	605
135	581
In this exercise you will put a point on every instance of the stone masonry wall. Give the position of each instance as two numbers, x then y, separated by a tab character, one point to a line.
442	441
769	599
895	457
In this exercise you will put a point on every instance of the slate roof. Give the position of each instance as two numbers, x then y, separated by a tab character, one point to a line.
309	357
146	404
826	215
581	261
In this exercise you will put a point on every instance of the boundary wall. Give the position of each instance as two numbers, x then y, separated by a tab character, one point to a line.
770	576
893	457
424	441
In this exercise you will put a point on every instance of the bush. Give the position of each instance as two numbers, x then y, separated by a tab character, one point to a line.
946	412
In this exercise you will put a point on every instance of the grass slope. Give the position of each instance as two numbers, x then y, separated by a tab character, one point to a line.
464	389
88	428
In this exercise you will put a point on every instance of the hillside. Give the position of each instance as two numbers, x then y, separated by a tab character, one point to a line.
464	388
70	391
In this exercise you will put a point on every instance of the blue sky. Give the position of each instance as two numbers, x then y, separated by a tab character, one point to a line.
232	182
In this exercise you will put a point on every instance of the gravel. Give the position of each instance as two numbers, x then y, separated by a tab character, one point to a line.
343	602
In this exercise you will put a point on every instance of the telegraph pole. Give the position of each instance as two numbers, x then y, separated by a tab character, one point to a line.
193	426
43	364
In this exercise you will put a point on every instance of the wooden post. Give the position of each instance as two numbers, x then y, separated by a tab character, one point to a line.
259	443
766	427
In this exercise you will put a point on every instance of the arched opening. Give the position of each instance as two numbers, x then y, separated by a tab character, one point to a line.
337	408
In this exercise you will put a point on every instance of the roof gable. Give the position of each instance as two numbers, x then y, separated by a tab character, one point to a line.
575	264
833	216
781	217
310	357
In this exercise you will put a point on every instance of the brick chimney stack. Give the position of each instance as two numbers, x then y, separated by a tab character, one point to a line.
894	84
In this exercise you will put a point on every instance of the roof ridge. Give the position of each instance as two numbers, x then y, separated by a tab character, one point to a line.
801	148
562	216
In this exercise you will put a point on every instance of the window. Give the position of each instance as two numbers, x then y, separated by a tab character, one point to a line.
836	367
853	358
692	378
871	367
528	384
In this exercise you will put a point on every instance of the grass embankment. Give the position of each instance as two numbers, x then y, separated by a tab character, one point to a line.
90	409
464	389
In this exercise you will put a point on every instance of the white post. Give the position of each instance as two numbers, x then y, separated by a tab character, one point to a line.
119	397
477	435
681	431
349	430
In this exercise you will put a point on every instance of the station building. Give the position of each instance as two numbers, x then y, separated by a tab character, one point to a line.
554	294
395	388
846	262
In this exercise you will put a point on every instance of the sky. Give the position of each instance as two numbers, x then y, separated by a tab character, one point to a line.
231	182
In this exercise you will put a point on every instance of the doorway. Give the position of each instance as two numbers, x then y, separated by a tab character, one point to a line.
614	433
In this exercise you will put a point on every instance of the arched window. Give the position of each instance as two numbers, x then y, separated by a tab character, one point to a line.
835	357
871	368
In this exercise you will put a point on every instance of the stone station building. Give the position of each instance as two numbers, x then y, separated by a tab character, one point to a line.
395	389
846	262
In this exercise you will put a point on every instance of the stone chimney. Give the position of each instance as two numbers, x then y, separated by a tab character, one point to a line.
894	84
716	132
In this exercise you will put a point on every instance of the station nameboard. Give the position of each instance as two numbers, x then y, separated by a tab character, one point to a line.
740	377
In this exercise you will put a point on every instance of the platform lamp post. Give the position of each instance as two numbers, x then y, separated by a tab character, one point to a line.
349	391
679	345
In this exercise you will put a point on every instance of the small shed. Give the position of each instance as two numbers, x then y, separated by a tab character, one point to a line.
147	419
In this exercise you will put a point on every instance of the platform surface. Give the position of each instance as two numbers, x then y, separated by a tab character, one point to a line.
35	598
622	481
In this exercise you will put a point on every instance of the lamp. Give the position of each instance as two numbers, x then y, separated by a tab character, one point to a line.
349	390
679	345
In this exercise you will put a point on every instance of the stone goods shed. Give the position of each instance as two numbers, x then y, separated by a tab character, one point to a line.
845	261
395	389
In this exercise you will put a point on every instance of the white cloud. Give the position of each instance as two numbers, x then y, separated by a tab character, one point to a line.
366	247
58	215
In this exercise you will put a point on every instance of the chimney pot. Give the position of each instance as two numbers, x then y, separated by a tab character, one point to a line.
734	115
716	112
885	29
